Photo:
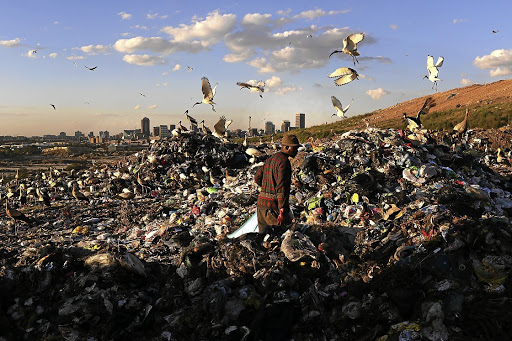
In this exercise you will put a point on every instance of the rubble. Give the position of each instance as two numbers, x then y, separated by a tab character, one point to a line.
395	238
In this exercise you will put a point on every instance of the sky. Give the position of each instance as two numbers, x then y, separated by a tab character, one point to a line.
142	51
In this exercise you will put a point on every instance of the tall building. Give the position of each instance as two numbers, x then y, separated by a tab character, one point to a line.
91	134
300	121
144	126
285	126
164	131
270	128
156	131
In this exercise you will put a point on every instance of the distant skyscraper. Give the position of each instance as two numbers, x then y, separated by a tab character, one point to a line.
270	128
164	131
300	121
144	126
285	126
156	131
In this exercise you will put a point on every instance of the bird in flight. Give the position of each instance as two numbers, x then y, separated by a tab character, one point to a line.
309	36
453	94
433	70
34	51
75	63
53	107
208	93
495	31
350	46
91	68
190	68
221	127
340	112
414	123
260	86
142	94
345	75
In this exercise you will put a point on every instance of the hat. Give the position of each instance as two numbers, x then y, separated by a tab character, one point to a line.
290	140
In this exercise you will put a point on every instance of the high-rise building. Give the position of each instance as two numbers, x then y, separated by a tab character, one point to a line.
285	126
270	128
156	131
91	134
144	126
164	131
300	121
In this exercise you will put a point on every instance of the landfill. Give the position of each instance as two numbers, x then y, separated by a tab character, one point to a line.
396	236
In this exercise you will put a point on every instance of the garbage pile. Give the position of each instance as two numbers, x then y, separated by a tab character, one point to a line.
396	237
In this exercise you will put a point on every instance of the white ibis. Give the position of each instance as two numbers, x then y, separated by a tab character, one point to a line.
15	215
91	68
414	123
340	112
190	68
77	194
495	31
181	127
208	93
190	118
205	129
53	106
220	128
350	46
344	75
260	86
433	69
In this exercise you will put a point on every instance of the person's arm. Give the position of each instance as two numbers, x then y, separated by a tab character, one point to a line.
283	175
258	177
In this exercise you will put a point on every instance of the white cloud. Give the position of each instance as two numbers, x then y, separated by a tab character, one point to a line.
125	34
10	43
393	27
505	71
137	107
53	55
458	21
140	27
161	84
376	93
154	106
208	31
256	19
284	12
94	49
499	60
465	81
155	44
56	22
75	58
273	82
284	90
317	13
144	60
31	54
176	67
154	16
124	15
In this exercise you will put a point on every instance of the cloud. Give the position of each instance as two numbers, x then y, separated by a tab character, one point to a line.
156	44
317	13
499	60
376	94
273	82
137	107
176	67
207	32
94	49
317	85
154	16
140	27
284	90
458	21
124	15
393	27
284	12
56	22
161	84
53	55
10	43
144	60
125	34
154	106
75	58
256	19
465	81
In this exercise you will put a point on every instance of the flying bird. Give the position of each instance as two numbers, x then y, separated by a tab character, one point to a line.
208	93
91	68
190	68
220	128
75	63
34	51
453	94
345	75
433	70
190	118
309	36
350	46
340	112
260	86
53	106
142	94
414	123
495	31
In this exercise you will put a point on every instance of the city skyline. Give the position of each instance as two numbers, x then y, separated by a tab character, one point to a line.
60	72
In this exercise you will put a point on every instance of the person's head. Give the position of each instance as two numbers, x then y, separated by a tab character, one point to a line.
290	145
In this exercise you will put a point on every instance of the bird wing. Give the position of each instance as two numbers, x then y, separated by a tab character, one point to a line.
346	79
244	85
430	62
219	126
337	105
191	119
440	61
351	41
214	90
206	88
227	124
348	106
429	103
342	71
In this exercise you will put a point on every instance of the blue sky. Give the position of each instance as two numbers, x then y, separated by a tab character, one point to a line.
146	46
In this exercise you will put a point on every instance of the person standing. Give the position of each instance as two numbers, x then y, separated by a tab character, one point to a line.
275	178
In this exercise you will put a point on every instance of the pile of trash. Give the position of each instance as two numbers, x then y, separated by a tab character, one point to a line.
396	237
